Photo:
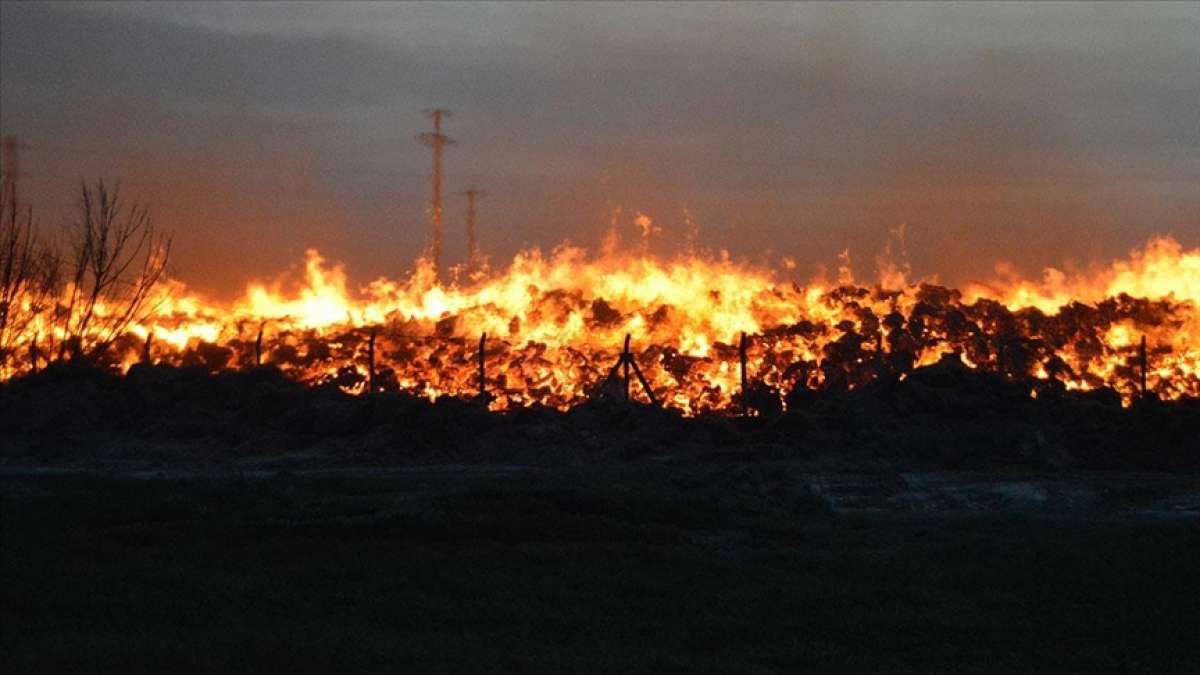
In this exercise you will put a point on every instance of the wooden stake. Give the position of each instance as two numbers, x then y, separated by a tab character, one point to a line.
742	360
258	345
371	363
482	370
1142	359
146	348
625	363
625	359
642	378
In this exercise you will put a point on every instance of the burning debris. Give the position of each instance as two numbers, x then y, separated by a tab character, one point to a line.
702	335
942	416
1068	372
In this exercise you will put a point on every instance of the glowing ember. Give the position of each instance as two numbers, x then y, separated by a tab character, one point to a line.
556	324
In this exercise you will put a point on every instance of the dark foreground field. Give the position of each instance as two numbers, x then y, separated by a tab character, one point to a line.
178	521
647	566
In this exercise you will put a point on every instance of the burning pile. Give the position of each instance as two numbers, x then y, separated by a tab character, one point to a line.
555	326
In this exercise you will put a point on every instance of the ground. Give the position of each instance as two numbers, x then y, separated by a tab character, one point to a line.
651	565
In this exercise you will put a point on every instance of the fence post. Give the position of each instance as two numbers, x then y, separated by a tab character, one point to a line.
258	345
371	362
146	348
742	361
625	363
482	370
1142	360
625	358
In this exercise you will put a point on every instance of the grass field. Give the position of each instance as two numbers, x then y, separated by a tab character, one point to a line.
705	569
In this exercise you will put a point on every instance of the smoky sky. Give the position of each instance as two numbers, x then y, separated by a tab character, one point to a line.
1040	134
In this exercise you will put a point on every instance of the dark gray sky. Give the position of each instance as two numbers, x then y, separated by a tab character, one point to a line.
1039	134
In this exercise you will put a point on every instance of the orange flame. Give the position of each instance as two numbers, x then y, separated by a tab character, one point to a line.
556	324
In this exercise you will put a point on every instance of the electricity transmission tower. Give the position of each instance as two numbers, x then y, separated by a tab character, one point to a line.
472	244
436	140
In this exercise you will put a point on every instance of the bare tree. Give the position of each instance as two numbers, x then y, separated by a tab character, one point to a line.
27	277
116	258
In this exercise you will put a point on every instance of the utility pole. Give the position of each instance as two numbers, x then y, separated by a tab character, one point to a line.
472	243
436	140
11	168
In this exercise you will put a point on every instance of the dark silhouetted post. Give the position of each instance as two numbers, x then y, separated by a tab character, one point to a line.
742	360
371	362
625	363
626	358
258	345
1142	362
146	348
482	371
631	363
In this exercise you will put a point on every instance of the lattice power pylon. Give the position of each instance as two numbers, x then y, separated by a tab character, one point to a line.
436	140
472	194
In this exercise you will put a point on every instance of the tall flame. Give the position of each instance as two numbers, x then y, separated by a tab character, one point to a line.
556	323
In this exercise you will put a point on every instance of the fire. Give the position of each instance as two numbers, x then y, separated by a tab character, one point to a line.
556	323
1162	270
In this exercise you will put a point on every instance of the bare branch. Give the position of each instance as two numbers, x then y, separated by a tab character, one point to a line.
117	259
